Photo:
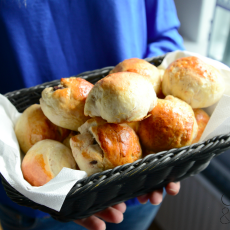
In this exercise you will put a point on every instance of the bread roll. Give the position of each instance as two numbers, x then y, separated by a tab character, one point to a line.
193	81
101	146
64	104
202	119
45	160
34	126
143	68
172	124
121	97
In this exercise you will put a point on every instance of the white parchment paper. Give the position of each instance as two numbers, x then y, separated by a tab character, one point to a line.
54	192
51	194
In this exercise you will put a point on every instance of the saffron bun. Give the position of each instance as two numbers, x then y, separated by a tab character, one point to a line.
101	145
193	81
202	119
45	160
121	97
172	124
143	68
34	126
64	104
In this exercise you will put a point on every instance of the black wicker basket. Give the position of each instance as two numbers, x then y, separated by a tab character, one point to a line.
110	187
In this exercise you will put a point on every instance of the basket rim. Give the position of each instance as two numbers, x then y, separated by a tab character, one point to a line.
164	159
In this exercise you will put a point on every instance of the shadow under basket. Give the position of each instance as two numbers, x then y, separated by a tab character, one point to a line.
111	187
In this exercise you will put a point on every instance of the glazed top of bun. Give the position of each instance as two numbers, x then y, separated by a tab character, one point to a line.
140	66
121	97
101	145
194	81
172	124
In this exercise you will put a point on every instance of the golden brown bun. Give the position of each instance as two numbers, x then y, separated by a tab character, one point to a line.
121	97
64	105
172	124
45	160
202	119
142	67
193	81
34	126
102	146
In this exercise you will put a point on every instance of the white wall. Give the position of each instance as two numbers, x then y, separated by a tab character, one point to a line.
195	17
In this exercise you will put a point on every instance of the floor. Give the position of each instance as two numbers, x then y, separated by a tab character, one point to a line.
153	226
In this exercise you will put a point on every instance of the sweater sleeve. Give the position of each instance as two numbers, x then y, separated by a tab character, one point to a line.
162	27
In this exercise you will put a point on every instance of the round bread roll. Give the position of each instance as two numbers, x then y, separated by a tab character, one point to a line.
121	97
101	146
34	126
45	160
193	81
142	67
64	104
172	124
202	119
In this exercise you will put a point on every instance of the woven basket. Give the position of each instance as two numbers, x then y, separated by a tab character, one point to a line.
110	187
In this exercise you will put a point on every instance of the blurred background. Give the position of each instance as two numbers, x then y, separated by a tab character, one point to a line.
204	200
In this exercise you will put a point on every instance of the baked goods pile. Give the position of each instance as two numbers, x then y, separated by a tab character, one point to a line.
137	109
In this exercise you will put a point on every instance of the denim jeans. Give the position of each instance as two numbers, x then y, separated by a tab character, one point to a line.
138	217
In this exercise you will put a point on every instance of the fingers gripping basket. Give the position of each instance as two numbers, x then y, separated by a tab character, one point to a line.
110	187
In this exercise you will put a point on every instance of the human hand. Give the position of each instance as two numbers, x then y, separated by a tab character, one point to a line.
156	196
112	214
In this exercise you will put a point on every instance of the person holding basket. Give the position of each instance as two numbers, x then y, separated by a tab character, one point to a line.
46	40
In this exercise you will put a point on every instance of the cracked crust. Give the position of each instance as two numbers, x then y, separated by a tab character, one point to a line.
102	146
64	104
172	124
193	81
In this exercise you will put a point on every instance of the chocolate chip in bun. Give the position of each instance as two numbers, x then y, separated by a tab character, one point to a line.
45	160
142	67
101	145
172	124
64	104
202	119
193	81
34	126
121	97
